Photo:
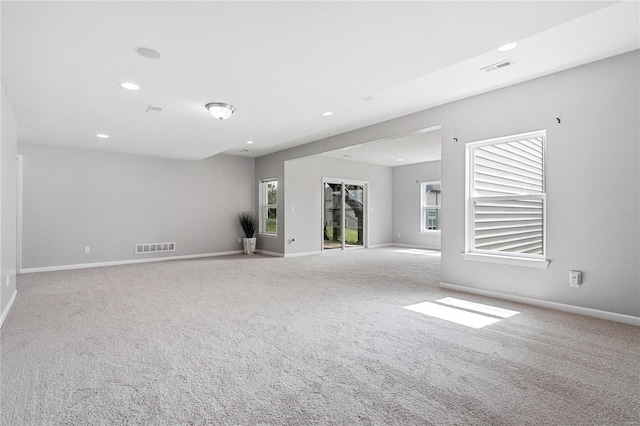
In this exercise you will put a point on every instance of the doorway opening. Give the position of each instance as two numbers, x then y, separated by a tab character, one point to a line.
343	214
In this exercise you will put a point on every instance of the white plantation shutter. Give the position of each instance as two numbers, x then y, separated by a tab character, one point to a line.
507	196
509	226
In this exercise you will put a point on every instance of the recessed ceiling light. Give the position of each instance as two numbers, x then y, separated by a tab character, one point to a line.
244	150
327	114
129	86
249	142
102	136
347	155
400	159
368	98
147	52
508	46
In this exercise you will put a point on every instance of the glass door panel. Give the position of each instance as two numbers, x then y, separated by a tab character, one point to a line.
354	215
332	228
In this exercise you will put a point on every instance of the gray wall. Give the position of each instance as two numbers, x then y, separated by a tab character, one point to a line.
407	207
303	180
8	186
272	165
593	151
110	202
592	181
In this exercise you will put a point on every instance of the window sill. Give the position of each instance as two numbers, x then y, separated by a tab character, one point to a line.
268	235
506	260
431	232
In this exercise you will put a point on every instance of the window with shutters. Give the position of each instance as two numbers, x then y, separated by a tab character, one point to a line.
506	198
431	219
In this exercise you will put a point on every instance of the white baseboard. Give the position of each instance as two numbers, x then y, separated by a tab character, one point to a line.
125	262
306	253
415	246
611	316
380	245
9	306
269	253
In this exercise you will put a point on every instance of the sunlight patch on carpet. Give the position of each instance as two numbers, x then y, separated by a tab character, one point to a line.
478	307
459	311
457	316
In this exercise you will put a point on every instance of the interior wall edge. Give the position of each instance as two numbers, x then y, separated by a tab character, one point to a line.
6	311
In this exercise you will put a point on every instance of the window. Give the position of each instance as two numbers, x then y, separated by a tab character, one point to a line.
430	206
269	210
506	198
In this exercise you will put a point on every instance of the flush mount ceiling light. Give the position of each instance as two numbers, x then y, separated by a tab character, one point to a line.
220	110
508	46
102	136
327	114
249	142
129	86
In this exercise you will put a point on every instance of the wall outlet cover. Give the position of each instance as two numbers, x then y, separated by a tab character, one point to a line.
575	278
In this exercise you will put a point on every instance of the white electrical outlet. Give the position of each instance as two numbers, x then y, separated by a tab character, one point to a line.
575	278
87	250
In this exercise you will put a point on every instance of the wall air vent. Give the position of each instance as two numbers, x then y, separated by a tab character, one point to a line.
154	110
155	248
497	66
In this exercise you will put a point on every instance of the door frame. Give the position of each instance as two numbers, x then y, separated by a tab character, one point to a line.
19	189
365	208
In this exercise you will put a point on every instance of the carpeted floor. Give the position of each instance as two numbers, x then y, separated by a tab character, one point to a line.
250	340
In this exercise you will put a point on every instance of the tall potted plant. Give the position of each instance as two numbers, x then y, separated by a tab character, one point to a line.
249	224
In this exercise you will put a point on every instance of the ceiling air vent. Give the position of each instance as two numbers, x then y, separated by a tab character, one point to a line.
497	66
154	109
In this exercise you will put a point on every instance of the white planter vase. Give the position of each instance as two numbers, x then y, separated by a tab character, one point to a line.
249	245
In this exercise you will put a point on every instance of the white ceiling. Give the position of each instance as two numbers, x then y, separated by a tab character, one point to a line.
282	64
403	150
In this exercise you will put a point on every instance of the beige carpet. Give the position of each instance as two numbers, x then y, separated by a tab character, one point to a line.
321	340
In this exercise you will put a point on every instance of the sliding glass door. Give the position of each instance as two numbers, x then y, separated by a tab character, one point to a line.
343	214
